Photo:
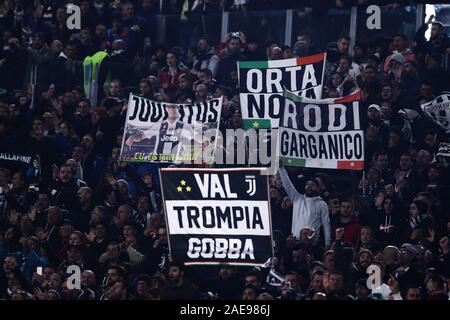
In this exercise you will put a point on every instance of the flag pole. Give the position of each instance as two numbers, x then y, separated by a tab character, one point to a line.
364	179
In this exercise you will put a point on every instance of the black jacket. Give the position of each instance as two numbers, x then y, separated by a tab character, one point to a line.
64	195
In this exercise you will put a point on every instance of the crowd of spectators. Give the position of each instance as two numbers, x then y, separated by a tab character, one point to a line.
87	208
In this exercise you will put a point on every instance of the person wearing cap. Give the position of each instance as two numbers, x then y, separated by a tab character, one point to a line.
374	115
401	52
232	55
408	271
73	256
443	158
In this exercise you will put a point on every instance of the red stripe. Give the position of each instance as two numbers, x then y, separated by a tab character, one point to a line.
310	59
357	165
353	97
210	170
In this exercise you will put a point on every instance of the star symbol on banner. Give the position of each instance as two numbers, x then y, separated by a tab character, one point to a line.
179	189
188	189
255	124
183	182
289	161
352	164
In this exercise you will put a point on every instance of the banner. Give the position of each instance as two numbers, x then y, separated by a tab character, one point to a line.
261	86
324	133
439	109
167	132
16	160
217	216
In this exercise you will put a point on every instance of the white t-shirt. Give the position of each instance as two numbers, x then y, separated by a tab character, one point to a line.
384	290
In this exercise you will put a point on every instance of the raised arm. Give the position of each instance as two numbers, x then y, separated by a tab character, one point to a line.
287	184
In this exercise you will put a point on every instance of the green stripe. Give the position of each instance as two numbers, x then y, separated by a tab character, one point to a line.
291	96
253	64
256	123
293	162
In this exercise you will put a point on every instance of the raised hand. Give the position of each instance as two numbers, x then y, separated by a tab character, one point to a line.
41	234
90	235
40	295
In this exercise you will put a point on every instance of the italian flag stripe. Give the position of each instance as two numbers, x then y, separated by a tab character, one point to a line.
282	63
292	96
354	96
296	98
324	163
256	123
293	162
310	59
350	165
299	61
253	64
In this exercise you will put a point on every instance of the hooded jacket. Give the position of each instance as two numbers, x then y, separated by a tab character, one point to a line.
408	55
311	212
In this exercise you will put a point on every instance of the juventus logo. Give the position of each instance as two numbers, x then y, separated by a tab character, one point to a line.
251	180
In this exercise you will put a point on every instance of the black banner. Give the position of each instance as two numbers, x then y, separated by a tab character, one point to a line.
16	160
217	216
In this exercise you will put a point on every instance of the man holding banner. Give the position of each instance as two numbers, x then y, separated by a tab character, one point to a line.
309	210
318	133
